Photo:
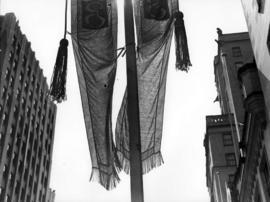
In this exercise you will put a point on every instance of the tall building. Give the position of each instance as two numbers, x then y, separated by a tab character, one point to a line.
27	119
239	94
234	50
257	14
253	166
220	155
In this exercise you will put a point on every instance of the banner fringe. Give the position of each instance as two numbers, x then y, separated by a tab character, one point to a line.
148	164
124	161
152	162
108	181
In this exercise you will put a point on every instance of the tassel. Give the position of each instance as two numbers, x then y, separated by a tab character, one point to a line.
58	81
181	49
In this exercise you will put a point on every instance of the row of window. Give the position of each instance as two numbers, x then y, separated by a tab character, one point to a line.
230	159
47	144
16	113
17	187
236	52
13	59
227	139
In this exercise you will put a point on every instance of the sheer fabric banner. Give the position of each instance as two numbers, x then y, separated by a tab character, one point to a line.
94	37
154	25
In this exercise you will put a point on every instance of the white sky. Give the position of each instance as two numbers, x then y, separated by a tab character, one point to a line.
189	98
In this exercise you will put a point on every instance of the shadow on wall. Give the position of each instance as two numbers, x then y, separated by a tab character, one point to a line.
265	84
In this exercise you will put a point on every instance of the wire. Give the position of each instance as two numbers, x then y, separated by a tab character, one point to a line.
65	31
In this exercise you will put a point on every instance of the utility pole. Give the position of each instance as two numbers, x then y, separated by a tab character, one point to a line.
136	180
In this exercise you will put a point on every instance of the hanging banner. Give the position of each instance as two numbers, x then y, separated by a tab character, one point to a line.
94	37
154	23
181	46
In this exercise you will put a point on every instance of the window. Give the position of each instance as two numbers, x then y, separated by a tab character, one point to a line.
40	192
33	80
16	111
20	166
35	188
230	159
18	49
227	139
7	74
236	52
8	148
31	95
22	193
10	176
28	111
11	81
23	102
14	40
5	118
25	86
18	93
264	170
37	88
17	188
23	147
10	56
231	178
24	60
1	109
29	70
28	197
4	90
260	4
46	181
8	99
15	64
21	77
5	168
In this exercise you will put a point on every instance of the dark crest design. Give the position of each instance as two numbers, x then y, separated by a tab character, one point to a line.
94	14
156	9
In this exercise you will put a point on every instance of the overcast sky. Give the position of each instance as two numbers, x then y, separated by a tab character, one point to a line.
189	98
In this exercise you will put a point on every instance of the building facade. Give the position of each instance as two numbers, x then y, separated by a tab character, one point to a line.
220	155
27	119
234	50
253	164
257	14
241	98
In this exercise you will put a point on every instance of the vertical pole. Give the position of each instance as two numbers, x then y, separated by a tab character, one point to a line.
136	181
220	190
0	7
